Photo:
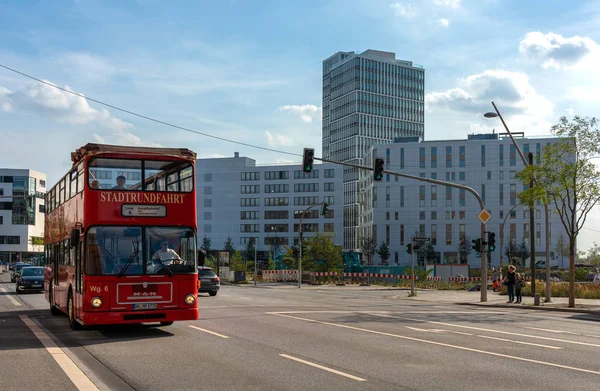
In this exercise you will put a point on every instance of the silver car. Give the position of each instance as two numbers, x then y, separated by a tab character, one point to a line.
209	281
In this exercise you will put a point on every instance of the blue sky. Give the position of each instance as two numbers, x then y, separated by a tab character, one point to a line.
251	70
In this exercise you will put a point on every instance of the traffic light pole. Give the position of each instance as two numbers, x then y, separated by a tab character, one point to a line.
437	182
412	267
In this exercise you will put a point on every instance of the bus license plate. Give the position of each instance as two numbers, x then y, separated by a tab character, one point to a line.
145	306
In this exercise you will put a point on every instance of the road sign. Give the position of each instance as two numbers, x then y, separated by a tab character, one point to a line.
484	216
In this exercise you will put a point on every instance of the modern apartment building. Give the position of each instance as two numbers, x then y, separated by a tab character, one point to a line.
396	208
368	98
238	199
21	214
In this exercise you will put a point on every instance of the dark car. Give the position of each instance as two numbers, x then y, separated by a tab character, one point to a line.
209	281
16	269
30	278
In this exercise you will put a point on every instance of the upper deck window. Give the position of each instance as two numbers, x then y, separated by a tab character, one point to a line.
141	175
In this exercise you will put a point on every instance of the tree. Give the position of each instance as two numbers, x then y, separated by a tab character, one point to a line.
368	246
562	249
427	251
229	247
384	252
290	259
464	248
511	250
206	242
250	249
236	262
567	179
523	253
37	242
320	248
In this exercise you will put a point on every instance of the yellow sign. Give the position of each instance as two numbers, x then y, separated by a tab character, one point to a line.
484	216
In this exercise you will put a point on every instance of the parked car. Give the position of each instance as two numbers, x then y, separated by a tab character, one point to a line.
30	278
209	281
16	269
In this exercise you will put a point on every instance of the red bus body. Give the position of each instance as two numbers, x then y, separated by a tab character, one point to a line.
79	223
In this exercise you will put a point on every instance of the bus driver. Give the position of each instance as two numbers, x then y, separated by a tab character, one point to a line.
164	253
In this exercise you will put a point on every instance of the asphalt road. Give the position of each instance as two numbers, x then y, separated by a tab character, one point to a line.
270	338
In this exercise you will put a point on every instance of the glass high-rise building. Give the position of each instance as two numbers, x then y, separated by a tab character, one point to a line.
368	98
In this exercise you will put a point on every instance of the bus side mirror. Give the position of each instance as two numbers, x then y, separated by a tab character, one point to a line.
74	238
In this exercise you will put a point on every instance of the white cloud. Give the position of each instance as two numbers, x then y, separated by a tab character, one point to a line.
306	112
512	93
570	111
99	139
47	101
558	52
275	140
448	3
405	10
444	22
584	94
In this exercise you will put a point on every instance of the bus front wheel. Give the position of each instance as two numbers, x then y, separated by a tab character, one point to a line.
75	325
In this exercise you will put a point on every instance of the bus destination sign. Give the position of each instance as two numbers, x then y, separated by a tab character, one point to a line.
129	210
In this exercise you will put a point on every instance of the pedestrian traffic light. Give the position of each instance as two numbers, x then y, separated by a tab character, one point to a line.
378	170
307	159
325	209
491	241
409	248
476	245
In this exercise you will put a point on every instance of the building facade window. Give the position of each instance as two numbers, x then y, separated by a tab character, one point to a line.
448	196
283	188
402	234
433	234
250	189
448	157
306	187
448	234
421	196
483	156
512	155
329	199
277	201
461	156
501	194
501	155
249	228
276	214
247	215
433	195
433	157
306	200
421	157
329	186
250	176
308	227
513	194
276	175
299	174
329	173
276	228
250	202
311	214
402	196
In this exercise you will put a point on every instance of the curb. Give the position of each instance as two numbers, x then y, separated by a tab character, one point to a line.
539	308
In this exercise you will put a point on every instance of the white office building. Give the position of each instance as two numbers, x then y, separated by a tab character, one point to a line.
368	98
21	214
238	199
396	208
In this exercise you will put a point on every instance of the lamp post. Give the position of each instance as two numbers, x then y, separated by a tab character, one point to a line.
502	235
531	211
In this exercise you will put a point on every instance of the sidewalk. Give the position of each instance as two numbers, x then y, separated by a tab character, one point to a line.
587	306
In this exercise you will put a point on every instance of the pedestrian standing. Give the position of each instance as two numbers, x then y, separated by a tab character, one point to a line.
510	283
519	283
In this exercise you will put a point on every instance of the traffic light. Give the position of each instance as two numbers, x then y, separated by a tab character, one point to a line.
307	159
476	245
378	170
409	248
491	241
325	209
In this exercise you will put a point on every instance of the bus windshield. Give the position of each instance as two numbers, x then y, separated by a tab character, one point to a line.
141	175
140	250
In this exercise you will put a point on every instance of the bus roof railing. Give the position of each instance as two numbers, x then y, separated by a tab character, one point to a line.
96	149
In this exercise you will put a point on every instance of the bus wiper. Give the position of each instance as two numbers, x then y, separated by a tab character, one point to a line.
127	264
169	272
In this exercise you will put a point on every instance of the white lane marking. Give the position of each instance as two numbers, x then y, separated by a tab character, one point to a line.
488	330
563	332
76	375
324	368
10	298
520	342
210	332
404	312
442	344
484	336
245	298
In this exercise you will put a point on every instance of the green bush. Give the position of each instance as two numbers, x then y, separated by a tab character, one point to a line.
561	289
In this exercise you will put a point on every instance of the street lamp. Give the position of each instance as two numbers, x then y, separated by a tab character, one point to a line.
531	211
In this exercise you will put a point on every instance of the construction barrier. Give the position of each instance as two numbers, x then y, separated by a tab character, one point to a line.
466	279
432	278
280	275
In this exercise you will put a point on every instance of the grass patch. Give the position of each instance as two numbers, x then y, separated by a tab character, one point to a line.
561	289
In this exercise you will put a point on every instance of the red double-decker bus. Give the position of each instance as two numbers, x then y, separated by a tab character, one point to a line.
120	237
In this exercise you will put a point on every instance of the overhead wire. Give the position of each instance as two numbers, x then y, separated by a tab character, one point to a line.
147	117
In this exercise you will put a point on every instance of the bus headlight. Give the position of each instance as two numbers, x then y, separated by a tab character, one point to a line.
96	302
190	299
